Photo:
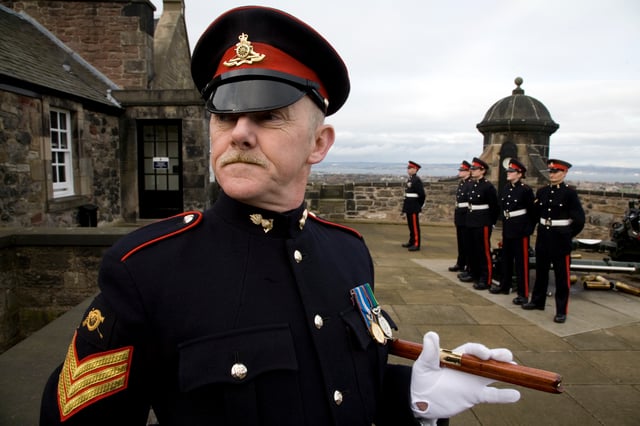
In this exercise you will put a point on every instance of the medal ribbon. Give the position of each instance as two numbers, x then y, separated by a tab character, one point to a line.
360	296
371	313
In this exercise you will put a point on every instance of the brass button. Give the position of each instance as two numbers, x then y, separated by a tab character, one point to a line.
239	371
337	397
297	256
318	321
188	218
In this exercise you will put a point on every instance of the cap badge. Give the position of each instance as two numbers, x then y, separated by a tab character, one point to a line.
244	53
257	219
93	320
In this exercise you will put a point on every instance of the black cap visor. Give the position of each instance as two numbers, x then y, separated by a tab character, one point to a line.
248	92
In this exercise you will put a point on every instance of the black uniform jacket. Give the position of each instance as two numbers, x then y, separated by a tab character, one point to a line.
462	197
516	198
482	193
414	195
236	316
557	202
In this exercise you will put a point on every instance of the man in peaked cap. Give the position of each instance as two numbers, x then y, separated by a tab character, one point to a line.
560	217
254	312
516	204
414	197
460	214
482	214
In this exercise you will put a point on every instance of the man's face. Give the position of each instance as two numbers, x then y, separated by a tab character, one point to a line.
463	174
513	176
477	172
556	176
411	170
264	158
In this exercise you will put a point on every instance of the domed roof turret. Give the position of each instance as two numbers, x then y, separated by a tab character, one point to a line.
518	112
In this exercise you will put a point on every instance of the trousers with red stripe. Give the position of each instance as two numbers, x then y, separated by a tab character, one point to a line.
480	262
413	221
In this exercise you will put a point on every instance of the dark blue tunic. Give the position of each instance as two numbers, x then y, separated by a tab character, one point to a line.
213	321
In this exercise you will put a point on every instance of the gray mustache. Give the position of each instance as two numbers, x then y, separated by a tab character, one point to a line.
241	158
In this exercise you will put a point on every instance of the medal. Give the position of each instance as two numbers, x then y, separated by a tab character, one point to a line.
384	325
371	313
377	333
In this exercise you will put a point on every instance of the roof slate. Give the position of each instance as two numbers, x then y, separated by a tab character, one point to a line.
31	54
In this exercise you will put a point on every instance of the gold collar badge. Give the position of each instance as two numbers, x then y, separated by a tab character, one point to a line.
303	219
93	320
257	219
244	53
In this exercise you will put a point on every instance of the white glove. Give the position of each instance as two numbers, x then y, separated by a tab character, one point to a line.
438	392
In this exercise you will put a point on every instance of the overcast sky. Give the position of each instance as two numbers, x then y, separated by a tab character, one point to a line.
425	72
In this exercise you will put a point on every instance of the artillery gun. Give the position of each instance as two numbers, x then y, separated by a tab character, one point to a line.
625	236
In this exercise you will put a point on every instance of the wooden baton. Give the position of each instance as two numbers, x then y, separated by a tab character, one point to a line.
532	378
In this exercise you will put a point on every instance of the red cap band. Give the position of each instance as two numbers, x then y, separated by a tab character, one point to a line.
274	59
558	166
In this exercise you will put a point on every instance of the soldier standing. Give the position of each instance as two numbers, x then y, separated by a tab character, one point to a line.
460	214
481	217
414	197
516	203
559	212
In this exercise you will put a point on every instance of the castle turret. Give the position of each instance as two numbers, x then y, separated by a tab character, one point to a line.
517	126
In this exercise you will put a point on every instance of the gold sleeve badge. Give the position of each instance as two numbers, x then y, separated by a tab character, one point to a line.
82	383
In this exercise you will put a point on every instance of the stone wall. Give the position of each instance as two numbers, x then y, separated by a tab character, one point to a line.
25	162
46	272
382	202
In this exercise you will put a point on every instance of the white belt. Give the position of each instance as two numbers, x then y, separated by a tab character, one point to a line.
515	213
555	222
411	195
462	205
474	207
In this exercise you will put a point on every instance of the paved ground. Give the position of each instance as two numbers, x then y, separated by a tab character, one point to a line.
597	351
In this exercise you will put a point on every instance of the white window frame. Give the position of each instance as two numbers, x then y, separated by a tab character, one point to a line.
61	153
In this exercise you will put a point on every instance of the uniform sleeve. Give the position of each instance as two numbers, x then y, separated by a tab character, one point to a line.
395	406
492	198
529	202
421	193
535	209
576	213
104	373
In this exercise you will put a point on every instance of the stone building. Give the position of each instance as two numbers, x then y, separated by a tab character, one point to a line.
517	126
99	118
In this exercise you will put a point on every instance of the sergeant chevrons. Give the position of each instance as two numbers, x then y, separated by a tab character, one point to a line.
516	204
228	323
559	208
482	214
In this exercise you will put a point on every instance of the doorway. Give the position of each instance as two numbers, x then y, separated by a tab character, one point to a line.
159	168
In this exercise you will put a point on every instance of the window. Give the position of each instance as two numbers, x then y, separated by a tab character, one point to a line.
61	154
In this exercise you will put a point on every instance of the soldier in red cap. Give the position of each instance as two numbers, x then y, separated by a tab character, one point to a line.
254	312
460	215
482	215
516	203
414	197
560	217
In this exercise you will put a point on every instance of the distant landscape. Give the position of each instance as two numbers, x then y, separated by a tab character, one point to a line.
598	177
